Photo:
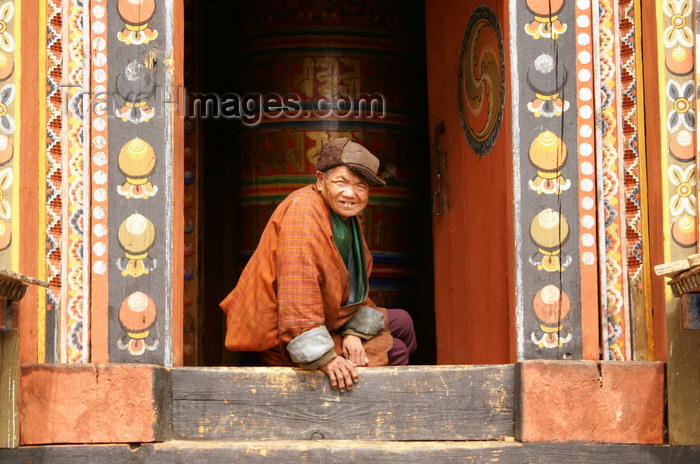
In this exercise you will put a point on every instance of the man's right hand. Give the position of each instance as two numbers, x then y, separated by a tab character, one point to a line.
341	373
353	350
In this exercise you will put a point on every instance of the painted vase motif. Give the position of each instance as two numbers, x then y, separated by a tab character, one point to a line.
681	146
551	307
683	231
548	154
7	66
5	234
546	23
136	86
136	15
549	230
547	78
680	61
136	161
137	314
136	236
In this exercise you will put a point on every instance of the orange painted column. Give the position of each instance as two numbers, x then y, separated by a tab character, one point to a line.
178	230
98	211
28	117
653	125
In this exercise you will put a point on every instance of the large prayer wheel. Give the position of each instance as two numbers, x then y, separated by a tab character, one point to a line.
328	59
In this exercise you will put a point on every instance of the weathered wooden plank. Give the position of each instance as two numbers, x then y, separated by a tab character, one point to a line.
9	388
176	452
416	452
8	274
390	403
68	454
672	269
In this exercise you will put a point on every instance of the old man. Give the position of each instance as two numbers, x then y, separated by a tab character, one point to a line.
302	300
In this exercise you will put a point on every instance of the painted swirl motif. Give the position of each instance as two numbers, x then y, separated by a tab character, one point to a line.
481	80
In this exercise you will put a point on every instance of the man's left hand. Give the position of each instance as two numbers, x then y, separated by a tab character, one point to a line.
354	351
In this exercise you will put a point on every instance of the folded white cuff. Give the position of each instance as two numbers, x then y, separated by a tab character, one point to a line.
367	321
310	345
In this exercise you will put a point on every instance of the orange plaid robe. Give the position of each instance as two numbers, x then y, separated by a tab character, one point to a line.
296	281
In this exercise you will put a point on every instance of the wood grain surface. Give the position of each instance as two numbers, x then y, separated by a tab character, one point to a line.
390	403
9	389
177	452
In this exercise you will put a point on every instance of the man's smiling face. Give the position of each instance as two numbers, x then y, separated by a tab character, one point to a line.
344	192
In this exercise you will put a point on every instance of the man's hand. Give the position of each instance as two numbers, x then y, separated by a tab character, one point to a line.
341	373
354	351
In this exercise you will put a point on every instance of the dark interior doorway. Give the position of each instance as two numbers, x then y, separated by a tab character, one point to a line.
216	64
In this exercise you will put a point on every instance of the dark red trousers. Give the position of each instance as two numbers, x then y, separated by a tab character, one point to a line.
401	328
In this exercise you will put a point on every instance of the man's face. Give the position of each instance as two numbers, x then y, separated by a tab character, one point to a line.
343	191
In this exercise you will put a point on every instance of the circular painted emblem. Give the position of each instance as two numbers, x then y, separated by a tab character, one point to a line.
481	80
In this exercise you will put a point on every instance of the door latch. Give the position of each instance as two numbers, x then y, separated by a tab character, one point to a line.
438	165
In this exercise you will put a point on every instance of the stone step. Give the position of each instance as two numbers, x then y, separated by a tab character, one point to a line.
341	451
388	403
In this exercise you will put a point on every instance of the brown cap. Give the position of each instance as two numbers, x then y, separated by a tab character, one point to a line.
344	152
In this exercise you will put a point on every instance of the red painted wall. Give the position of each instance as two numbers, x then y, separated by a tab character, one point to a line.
473	239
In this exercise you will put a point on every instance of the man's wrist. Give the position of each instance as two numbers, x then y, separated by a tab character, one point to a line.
329	356
347	332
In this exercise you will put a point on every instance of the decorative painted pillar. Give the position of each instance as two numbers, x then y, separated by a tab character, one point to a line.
555	185
677	135
580	182
632	176
627	332
107	163
615	340
64	306
131	190
674	225
9	138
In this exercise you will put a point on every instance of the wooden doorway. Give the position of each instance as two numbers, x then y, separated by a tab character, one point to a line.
215	66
